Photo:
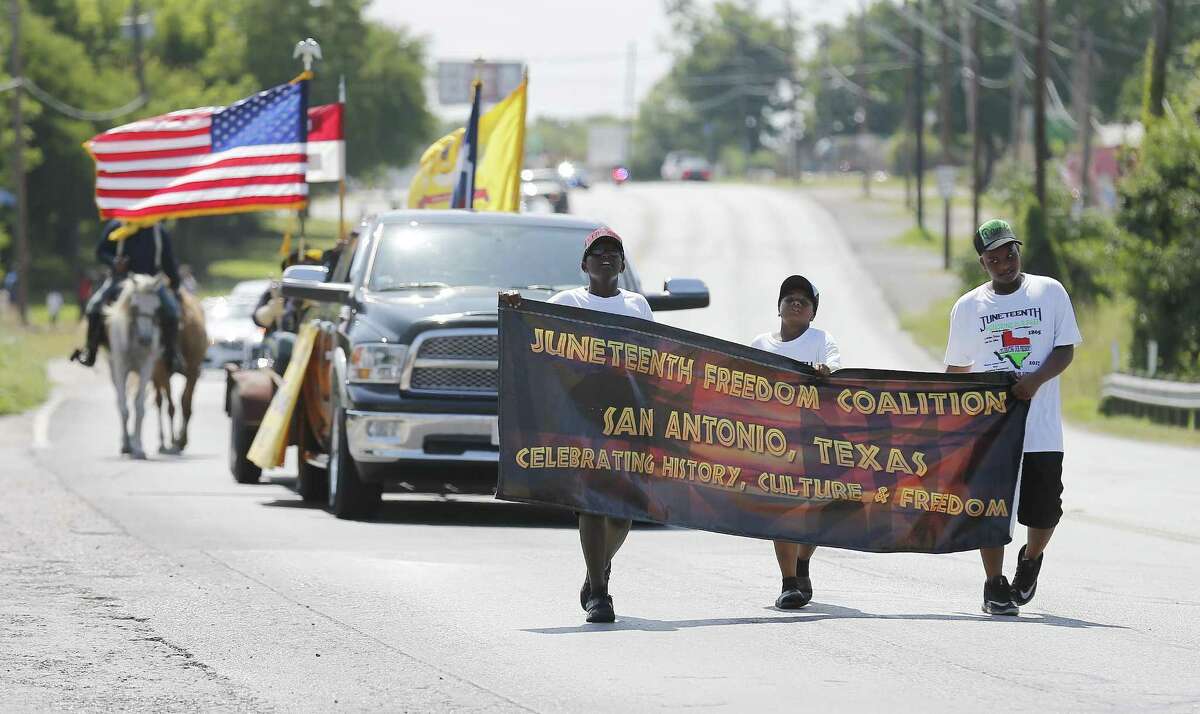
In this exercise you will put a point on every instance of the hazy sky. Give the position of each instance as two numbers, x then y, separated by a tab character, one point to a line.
576	49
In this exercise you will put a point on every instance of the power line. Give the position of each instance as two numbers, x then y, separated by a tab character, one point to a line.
74	112
998	20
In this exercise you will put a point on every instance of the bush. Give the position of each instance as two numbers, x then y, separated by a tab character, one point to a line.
1160	210
1080	247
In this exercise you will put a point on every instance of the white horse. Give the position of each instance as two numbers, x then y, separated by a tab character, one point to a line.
134	346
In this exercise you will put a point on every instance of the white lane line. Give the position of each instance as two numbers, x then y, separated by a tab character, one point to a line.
41	419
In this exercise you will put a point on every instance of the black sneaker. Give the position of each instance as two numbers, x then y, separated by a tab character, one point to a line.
1024	583
585	590
600	609
794	596
997	597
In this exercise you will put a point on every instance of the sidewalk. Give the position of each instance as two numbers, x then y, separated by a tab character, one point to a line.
910	277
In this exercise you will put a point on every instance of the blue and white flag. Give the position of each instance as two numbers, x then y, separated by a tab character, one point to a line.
464	186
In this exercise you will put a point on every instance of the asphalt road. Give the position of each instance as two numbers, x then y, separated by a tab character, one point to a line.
163	585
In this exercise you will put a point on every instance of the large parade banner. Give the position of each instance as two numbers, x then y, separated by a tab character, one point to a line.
624	417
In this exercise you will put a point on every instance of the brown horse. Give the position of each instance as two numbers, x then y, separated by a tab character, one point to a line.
193	342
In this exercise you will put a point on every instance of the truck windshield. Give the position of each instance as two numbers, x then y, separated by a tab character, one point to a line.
501	256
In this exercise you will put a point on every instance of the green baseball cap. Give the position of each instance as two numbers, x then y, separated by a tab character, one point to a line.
994	234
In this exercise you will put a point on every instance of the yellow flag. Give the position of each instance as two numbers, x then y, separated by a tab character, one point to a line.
271	439
498	161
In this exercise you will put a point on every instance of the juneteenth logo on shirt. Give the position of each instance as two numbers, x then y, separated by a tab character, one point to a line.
1013	349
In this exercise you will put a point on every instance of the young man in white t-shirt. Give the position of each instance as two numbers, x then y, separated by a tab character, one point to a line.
798	339
601	536
1023	324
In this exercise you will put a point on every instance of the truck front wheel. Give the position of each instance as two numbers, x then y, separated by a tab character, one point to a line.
349	496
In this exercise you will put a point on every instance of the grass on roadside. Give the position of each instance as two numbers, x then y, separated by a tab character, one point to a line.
916	237
24	352
1101	324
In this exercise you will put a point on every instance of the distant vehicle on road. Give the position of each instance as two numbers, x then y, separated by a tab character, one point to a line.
685	166
232	334
401	388
573	176
544	191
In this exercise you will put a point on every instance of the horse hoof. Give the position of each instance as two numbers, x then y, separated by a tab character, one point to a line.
125	450
169	450
138	455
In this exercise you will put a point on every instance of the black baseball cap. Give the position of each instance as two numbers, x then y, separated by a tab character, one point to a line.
994	234
803	284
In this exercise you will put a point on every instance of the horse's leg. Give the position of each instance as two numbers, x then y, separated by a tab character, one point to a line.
162	445
171	410
139	411
116	365
185	401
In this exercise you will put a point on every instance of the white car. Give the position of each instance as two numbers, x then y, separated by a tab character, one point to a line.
685	166
232	334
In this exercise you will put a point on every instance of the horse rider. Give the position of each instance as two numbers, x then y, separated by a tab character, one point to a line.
148	252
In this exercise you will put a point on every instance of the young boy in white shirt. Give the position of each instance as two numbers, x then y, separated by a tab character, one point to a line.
1023	324
601	536
798	339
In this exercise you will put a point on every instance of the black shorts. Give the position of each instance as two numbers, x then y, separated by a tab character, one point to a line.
1041	489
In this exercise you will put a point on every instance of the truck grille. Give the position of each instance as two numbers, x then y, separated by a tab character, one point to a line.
481	381
454	362
461	347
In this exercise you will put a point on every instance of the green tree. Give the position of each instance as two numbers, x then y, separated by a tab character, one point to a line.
727	86
387	121
200	52
1160	209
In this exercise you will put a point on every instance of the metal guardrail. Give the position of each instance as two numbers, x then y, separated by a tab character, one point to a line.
1152	392
1161	400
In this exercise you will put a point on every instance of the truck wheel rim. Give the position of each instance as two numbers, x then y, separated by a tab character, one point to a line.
335	457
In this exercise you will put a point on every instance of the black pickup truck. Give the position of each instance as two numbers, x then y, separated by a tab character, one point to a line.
401	389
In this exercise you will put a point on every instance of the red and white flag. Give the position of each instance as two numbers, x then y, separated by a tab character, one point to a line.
326	143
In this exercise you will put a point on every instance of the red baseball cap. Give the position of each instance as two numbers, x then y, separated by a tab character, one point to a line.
599	233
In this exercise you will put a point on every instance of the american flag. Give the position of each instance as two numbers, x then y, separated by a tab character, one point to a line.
248	156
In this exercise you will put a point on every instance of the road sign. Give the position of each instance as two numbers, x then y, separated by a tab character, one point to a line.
454	80
945	180
607	146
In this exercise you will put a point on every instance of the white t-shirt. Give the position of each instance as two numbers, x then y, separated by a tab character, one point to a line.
1016	333
813	346
623	303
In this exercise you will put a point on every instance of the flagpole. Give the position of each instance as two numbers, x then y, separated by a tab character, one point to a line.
306	50
342	168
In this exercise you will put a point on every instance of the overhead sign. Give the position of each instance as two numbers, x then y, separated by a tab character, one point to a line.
499	80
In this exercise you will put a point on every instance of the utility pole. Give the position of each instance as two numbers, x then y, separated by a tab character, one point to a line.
976	125
1016	81
1042	254
919	115
1041	151
630	95
907	147
860	114
1162	46
136	27
1085	121
946	134
18	167
793	157
968	37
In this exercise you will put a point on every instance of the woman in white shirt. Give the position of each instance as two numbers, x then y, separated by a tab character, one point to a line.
797	339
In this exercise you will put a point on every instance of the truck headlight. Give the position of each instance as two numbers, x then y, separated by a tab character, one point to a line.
377	362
